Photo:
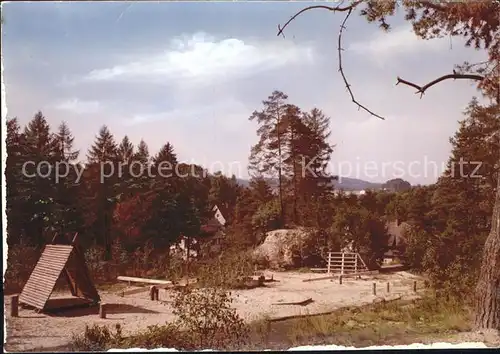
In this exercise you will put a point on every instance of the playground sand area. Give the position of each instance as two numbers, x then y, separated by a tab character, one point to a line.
135	312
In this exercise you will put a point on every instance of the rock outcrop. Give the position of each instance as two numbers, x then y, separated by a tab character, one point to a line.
287	248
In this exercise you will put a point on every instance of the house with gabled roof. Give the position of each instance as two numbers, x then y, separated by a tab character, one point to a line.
212	235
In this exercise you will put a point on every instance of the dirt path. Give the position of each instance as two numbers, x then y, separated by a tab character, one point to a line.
136	312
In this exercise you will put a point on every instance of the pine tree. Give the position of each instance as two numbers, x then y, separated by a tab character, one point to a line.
142	154
69	218
13	179
166	154
308	155
140	168
296	135
104	148
38	190
101	171
125	157
125	151
266	157
164	226
320	151
64	144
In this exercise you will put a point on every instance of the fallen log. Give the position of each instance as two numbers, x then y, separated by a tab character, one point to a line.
299	303
331	312
345	275
321	278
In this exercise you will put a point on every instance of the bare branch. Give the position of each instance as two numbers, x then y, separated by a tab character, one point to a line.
338	8
454	76
341	70
324	7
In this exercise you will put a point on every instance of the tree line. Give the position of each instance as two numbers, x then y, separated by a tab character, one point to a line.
134	208
448	221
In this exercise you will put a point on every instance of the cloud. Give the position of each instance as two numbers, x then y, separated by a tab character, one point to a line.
202	58
78	106
217	113
401	40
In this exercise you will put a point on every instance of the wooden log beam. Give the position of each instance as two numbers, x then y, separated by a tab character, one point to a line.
144	280
133	291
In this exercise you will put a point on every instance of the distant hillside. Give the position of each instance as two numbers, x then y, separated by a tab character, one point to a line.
397	185
345	183
354	184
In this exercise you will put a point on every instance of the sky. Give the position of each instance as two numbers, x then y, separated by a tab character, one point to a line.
192	74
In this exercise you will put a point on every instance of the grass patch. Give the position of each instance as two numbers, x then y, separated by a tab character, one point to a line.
397	322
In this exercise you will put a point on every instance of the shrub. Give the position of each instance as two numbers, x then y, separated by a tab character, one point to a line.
224	271
21	260
165	336
207	318
97	338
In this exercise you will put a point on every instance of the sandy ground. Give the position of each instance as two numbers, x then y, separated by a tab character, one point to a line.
136	312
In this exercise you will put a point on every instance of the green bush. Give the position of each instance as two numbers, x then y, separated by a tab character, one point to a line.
97	338
166	336
225	271
205	319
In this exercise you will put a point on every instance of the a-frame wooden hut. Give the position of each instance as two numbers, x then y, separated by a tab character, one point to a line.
59	258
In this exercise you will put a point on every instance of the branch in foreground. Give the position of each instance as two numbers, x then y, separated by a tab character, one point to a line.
341	70
324	7
342	27
454	76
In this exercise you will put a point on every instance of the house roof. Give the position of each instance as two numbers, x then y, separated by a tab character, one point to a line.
222	218
214	224
222	209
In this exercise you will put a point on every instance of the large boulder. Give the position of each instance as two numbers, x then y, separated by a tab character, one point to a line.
287	248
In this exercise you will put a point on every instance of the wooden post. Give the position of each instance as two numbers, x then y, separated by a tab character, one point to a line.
54	239
388	287
14	306
152	292
415	286
329	262
374	288
75	238
268	330
102	310
342	267
340	279
157	294
356	263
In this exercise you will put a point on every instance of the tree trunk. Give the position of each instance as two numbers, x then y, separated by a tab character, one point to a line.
488	287
280	172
